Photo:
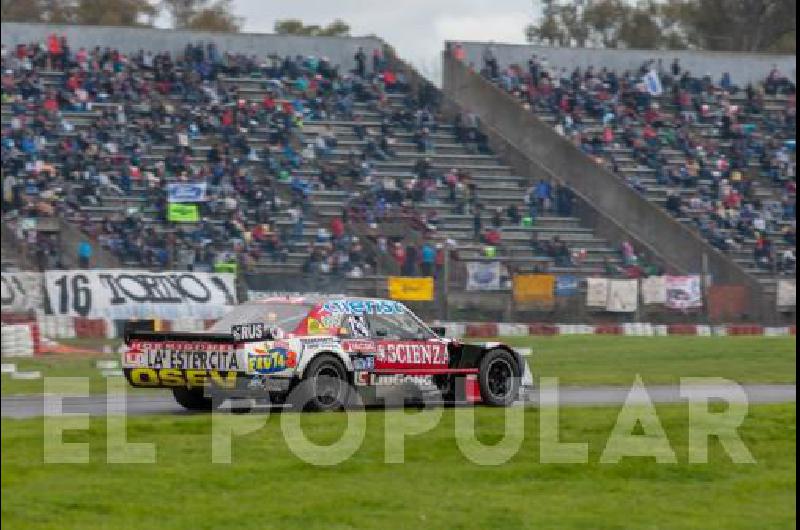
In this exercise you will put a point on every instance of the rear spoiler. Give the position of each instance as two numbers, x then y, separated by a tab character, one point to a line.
145	330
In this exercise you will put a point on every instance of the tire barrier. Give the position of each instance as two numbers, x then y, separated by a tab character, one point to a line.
745	329
57	327
15	318
512	330
682	329
18	340
46	327
542	330
574	329
608	329
481	330
637	329
90	328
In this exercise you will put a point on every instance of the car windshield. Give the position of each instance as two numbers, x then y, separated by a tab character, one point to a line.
283	315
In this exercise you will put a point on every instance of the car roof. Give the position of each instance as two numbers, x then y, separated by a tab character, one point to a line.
316	298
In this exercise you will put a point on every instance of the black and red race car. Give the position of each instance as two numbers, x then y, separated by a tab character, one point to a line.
318	353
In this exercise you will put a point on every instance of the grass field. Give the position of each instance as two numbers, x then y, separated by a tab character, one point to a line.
267	486
576	360
600	360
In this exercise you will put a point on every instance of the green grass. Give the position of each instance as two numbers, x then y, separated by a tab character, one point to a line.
589	360
62	365
576	360
54	366
266	486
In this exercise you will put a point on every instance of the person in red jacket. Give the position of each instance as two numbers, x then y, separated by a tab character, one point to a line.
337	228
399	254
55	51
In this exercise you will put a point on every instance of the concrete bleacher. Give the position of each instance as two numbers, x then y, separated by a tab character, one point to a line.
765	191
496	185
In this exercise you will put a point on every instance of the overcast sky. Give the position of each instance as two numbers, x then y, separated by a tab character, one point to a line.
416	28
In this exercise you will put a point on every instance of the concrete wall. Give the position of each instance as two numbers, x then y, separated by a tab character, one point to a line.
339	50
743	67
615	210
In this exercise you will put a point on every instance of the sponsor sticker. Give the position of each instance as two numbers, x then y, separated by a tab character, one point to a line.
173	377
364	363
364	307
401	379
359	346
399	354
249	332
268	361
181	358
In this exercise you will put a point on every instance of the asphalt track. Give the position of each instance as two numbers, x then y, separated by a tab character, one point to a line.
138	403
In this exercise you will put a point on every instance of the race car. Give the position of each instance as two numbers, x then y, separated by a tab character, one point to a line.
316	353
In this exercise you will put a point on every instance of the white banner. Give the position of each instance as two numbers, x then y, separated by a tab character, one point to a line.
787	293
484	276
123	294
21	292
653	83
683	292
596	292
623	296
187	192
654	290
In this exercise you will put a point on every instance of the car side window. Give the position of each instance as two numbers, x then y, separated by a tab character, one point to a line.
401	326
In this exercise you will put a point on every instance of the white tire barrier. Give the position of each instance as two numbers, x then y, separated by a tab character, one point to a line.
703	330
57	327
783	331
17	340
512	330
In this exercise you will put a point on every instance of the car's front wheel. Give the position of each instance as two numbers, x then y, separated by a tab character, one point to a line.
324	386
499	378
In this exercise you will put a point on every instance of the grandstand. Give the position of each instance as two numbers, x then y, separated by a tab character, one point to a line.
720	158
335	175
147	132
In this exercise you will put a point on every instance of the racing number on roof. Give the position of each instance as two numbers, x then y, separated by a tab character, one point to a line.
358	326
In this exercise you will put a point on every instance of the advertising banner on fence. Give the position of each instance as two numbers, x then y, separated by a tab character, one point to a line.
623	296
683	292
21	292
786	293
567	285
412	289
484	276
186	192
183	213
536	288
654	290
124	293
596	292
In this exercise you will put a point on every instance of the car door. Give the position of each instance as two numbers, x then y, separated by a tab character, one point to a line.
405	346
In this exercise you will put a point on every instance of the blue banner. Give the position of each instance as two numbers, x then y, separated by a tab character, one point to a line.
566	285
186	192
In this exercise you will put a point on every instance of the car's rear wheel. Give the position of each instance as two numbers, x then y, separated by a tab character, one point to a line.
193	398
324	386
499	378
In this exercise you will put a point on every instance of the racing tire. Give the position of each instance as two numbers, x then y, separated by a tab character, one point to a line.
194	399
499	378
324	386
